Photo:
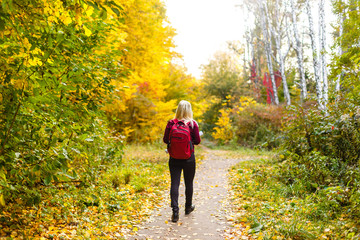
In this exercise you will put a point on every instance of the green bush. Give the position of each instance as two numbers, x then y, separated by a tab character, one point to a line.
321	151
326	143
273	209
52	86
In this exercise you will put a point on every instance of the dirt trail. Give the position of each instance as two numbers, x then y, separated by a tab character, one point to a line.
208	221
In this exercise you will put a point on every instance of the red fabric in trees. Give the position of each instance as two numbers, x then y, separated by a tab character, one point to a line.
269	87
255	80
253	72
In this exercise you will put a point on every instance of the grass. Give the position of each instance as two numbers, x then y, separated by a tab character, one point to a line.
237	151
269	209
153	153
111	207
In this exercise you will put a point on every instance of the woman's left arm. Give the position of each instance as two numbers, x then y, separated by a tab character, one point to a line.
195	136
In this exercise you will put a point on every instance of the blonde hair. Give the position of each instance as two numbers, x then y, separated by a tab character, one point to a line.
184	112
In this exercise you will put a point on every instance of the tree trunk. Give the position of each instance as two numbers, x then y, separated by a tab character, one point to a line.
315	56
322	39
340	51
298	50
277	35
268	49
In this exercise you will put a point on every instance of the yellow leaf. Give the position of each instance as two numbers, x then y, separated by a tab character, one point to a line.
89	11
67	20
2	201
37	51
52	19
34	61
87	31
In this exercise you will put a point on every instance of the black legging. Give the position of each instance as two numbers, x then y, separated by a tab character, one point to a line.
176	166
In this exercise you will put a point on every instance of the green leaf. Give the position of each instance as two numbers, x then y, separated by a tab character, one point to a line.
2	24
48	179
103	14
60	36
36	168
116	11
256	227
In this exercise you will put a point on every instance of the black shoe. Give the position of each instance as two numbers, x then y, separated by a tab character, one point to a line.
188	210
175	216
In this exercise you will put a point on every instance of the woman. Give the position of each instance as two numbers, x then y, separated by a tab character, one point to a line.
184	117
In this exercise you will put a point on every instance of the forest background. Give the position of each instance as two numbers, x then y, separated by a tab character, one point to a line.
83	80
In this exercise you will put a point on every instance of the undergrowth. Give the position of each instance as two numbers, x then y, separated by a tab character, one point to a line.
109	207
268	208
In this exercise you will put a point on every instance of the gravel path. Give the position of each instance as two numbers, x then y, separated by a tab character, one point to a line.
208	221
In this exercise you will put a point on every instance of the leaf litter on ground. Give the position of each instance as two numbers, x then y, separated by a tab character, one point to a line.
111	207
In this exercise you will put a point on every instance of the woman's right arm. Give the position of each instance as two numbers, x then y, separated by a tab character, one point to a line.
167	133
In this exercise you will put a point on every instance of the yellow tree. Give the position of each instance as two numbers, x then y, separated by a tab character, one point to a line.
182	86
140	106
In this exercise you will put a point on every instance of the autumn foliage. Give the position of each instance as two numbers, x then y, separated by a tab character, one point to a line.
77	79
138	102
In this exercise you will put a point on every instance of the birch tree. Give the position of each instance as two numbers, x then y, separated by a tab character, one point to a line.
281	57
268	49
348	62
298	50
322	40
340	49
315	55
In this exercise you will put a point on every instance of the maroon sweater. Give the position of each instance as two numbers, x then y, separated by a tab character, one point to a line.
194	132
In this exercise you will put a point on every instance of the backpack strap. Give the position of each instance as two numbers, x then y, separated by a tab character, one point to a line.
189	124
178	121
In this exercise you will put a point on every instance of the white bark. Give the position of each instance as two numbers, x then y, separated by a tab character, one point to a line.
298	50
340	51
277	36
268	49
322	39
253	63
315	56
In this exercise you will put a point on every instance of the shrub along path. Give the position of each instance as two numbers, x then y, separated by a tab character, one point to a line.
210	218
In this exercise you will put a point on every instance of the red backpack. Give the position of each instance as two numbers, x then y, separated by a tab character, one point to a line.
180	146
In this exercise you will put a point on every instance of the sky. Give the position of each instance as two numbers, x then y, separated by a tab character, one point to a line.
203	27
